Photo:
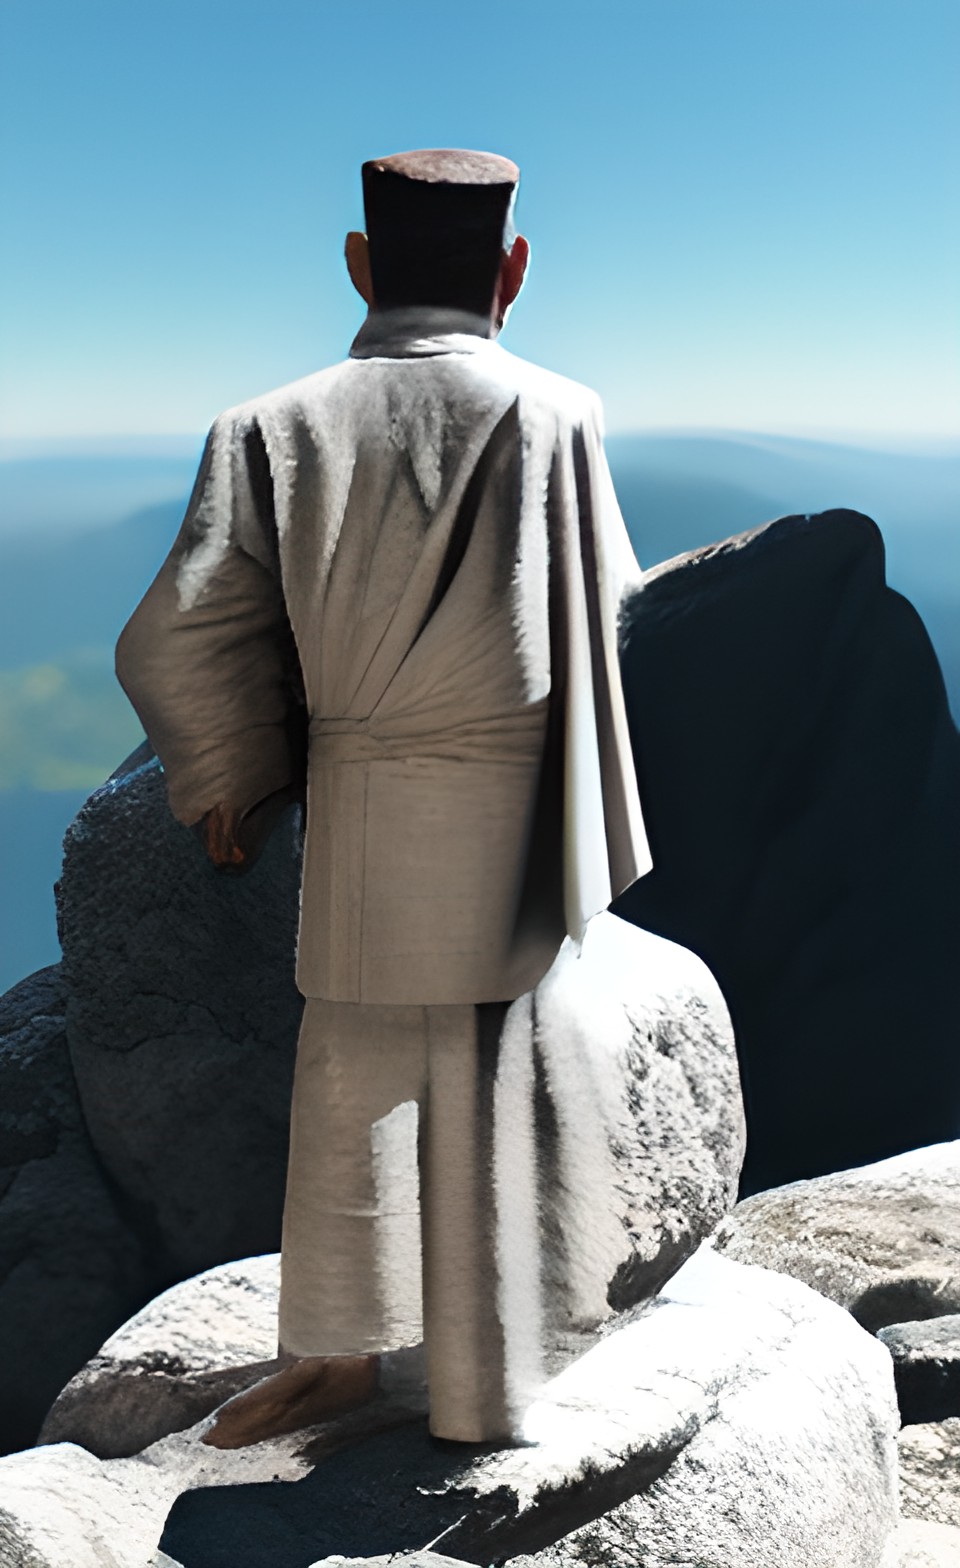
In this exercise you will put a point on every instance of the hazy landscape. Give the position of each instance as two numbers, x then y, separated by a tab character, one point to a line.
82	535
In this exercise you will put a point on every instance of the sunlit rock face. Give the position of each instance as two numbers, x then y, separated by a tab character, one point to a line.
173	1362
71	1261
923	1544
883	1240
930	1471
737	1421
800	774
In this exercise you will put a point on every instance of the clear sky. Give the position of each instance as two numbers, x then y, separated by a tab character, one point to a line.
744	214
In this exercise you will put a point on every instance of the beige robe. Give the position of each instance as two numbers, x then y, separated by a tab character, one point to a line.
427	538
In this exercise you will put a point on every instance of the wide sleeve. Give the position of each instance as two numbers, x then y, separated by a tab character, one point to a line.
605	840
208	659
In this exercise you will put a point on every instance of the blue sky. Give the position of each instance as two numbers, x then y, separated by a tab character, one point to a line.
743	213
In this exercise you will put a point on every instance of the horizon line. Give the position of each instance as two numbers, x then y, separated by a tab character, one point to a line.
183	444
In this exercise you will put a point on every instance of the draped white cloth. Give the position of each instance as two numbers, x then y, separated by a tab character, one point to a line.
422	546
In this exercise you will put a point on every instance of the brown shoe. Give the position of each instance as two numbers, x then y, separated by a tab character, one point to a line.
310	1390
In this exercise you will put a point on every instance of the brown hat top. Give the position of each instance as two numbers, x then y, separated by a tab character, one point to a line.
436	221
446	166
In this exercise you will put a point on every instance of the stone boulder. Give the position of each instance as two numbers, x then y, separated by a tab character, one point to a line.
926	1367
182	1018
800	774
738	1421
930	1471
72	1263
923	1545
173	1363
403	1560
642	1167
882	1240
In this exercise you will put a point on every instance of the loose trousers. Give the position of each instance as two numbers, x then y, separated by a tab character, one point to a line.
392	1103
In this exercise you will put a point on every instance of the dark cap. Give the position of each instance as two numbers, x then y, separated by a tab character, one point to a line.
436	222
446	166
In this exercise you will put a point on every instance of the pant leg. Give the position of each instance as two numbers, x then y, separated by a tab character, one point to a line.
350	1263
483	1323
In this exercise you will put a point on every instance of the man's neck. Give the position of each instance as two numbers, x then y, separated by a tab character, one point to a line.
421	330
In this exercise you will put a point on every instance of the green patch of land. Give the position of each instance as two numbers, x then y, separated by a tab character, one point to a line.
64	724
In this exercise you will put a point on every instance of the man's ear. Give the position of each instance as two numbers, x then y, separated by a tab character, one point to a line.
513	265
357	253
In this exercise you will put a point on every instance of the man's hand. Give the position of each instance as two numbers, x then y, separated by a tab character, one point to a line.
220	830
233	839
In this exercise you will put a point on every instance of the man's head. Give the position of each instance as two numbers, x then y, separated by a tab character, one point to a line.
439	232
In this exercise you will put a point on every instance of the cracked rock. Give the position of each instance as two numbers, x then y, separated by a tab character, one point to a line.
173	1363
182	1018
883	1240
926	1367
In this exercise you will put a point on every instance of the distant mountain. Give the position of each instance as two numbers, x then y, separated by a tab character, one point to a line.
81	539
64	493
76	590
704	488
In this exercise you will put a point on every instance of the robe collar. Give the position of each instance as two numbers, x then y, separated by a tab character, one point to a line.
418	331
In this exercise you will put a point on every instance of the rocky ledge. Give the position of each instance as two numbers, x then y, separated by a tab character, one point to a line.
739	1418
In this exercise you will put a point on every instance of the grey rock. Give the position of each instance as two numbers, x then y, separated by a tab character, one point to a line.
738	1399
919	1544
926	1367
800	771
732	1386
930	1471
173	1363
640	1173
781	1474
182	1017
882	1240
71	1263
398	1560
633	1044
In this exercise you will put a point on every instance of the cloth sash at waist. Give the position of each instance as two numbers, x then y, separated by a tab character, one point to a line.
510	737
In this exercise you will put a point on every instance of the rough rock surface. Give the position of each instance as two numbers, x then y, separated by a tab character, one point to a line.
640	1170
173	1363
182	1018
926	1367
405	1560
738	1398
930	1471
71	1265
883	1240
800	772
917	1544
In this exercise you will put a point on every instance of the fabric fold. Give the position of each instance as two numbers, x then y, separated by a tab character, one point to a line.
421	546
